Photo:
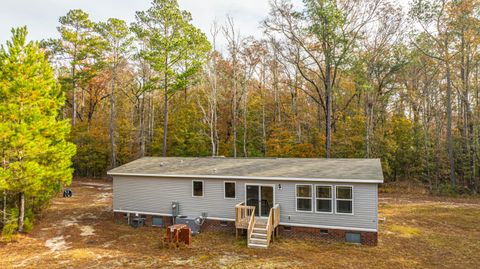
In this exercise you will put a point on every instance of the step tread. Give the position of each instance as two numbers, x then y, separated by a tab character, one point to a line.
259	234
258	239
257	245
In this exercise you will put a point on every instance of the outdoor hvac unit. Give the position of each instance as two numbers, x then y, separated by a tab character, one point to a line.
137	222
193	223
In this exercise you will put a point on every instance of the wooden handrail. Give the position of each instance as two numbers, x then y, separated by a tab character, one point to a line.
251	224
269	225
238	209
276	215
242	215
273	221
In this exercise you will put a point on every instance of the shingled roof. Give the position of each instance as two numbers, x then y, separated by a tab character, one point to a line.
309	169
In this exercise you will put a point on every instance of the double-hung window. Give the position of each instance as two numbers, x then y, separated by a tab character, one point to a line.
304	197
197	188
344	199
229	189
324	199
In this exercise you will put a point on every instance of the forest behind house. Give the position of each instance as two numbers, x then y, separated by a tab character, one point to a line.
329	79
339	79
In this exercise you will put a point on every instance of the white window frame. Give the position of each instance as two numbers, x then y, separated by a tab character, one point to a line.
332	193
203	188
299	197
340	199
225	190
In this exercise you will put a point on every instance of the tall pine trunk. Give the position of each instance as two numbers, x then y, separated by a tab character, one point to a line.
74	92
4	208
213	112
368	125
449	125
21	212
234	110
165	110
165	123
245	111
328	120
112	121
264	130
142	126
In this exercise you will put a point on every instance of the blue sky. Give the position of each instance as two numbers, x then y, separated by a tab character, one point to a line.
41	16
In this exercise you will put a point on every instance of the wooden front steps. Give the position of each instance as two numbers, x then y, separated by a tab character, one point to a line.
258	237
260	231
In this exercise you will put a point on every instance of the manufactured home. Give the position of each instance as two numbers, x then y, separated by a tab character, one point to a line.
335	199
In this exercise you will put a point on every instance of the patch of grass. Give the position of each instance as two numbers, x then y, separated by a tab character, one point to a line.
404	231
203	258
81	254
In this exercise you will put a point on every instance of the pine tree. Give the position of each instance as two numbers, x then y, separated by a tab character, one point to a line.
176	49
37	157
79	46
116	35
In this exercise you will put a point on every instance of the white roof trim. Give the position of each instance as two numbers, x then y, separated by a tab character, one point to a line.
377	181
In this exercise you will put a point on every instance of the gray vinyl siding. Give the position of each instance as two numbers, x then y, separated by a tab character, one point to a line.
154	195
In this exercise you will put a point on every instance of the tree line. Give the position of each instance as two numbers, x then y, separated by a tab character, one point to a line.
340	79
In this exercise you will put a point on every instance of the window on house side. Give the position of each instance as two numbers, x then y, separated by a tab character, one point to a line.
324	199
304	198
344	198
197	188
229	189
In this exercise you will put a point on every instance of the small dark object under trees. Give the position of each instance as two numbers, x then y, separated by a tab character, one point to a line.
67	193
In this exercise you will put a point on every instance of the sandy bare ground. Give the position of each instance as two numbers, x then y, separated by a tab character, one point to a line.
79	232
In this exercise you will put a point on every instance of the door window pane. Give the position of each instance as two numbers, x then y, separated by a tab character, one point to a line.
267	200
252	197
